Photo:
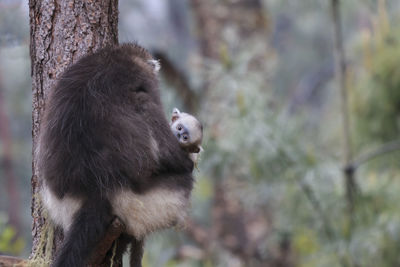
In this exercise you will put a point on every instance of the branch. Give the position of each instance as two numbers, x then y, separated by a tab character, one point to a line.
310	195
178	80
382	150
340	64
100	253
341	73
99	256
7	261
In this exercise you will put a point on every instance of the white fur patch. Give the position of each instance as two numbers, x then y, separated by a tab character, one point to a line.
156	64
154	210
61	211
194	157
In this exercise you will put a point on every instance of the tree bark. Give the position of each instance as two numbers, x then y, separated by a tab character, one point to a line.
61	31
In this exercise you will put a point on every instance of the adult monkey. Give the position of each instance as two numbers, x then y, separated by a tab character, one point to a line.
106	149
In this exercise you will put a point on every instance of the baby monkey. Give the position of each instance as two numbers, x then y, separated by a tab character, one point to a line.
189	132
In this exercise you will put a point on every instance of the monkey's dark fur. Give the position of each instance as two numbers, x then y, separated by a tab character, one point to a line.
104	131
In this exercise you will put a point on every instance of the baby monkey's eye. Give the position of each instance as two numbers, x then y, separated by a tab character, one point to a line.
185	137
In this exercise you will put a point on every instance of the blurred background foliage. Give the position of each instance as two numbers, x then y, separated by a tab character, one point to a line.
260	76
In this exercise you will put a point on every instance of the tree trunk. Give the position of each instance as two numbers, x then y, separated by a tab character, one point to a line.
61	31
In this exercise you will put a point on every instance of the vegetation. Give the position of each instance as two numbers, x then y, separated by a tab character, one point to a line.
269	188
10	242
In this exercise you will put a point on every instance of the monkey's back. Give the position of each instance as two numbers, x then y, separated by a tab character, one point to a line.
104	127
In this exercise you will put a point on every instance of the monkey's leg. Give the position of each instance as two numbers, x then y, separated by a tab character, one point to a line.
136	252
89	225
115	253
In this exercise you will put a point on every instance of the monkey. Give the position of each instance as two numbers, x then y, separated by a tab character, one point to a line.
189	132
106	149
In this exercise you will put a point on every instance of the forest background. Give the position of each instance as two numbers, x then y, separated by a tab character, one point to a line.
271	185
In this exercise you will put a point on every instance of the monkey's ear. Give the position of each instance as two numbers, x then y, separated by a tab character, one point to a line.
175	114
155	64
175	111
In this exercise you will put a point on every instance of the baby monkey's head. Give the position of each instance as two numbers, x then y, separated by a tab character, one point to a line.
188	130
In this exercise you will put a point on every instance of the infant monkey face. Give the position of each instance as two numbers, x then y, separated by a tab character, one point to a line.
181	132
187	129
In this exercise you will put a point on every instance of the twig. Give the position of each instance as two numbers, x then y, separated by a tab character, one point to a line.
382	150
318	209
